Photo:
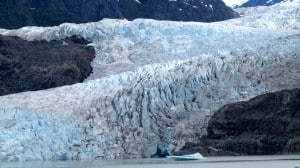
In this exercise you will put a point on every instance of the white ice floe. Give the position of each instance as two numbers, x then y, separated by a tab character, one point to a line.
195	156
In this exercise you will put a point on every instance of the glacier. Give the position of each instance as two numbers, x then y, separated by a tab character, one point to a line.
154	84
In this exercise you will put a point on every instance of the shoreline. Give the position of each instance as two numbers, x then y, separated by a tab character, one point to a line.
274	161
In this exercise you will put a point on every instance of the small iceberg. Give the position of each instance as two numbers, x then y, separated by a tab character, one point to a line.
195	156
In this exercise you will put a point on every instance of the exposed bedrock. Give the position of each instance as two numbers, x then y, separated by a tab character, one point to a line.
36	65
20	13
266	124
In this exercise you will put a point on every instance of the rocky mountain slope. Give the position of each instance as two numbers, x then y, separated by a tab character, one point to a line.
178	10
37	65
253	3
154	86
266	124
19	13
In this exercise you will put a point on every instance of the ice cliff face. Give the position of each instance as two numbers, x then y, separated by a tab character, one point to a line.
155	85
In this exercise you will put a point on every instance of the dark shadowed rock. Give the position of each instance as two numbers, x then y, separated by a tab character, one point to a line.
36	65
19	13
253	3
180	10
266	124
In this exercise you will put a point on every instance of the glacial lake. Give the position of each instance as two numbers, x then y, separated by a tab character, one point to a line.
278	161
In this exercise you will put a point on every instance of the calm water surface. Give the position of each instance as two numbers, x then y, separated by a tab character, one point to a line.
279	161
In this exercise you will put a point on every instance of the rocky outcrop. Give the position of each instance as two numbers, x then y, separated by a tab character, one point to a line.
266	124
19	13
37	65
179	10
253	3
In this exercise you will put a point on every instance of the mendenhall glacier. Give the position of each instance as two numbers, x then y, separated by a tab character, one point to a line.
154	84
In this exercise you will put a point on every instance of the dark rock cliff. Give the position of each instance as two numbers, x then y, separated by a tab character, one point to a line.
36	65
253	3
180	10
19	13
267	124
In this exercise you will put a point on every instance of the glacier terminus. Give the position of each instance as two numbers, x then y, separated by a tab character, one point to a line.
154	84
